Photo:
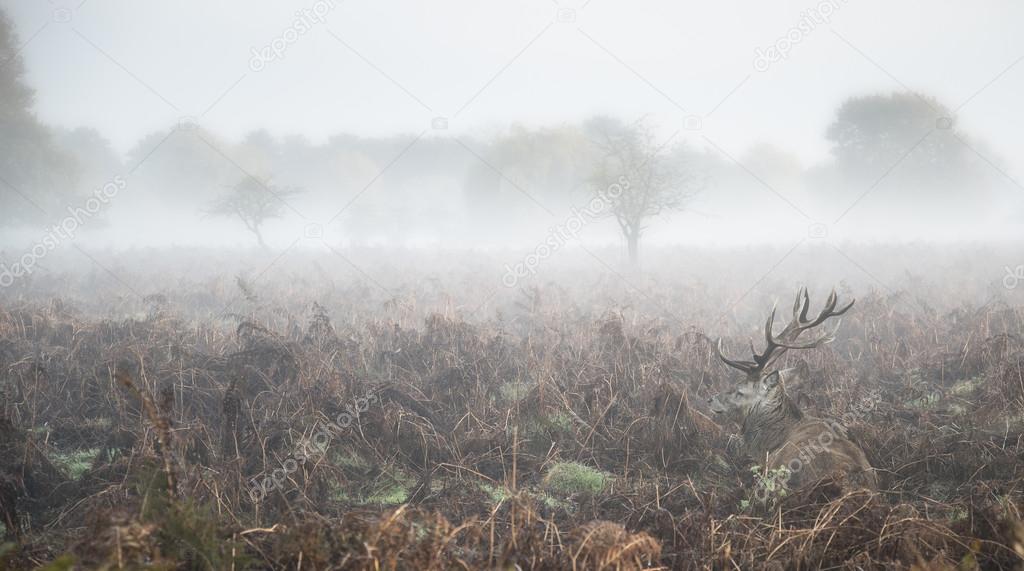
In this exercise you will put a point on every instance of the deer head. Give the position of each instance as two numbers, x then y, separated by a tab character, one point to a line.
763	388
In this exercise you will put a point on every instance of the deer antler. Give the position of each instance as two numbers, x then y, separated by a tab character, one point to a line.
776	345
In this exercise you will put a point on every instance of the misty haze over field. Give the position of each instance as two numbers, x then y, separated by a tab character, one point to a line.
540	142
538	284
460	124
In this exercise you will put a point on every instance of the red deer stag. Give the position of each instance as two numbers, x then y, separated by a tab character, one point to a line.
776	433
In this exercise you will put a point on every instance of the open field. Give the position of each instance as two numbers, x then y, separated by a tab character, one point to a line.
506	286
270	413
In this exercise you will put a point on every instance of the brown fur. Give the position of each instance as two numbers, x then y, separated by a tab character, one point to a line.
821	449
777	434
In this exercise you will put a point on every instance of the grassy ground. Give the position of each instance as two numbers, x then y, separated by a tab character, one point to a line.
375	430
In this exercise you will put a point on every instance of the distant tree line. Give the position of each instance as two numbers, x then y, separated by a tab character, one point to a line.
908	145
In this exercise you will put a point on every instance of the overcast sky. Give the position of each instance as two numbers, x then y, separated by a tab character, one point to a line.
128	67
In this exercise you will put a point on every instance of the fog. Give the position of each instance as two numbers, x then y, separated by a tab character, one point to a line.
493	269
486	126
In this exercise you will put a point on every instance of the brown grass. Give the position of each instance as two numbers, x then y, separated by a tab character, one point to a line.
444	468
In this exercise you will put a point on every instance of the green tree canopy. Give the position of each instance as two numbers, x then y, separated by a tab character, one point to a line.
874	134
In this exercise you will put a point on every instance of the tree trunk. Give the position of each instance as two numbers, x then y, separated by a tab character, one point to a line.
633	247
259	238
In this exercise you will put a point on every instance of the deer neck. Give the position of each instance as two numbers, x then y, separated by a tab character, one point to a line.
768	424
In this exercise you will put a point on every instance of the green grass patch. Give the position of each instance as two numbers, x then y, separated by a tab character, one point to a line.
349	459
513	392
65	562
497	494
553	502
967	387
390	488
545	429
557	423
75	463
567	478
926	402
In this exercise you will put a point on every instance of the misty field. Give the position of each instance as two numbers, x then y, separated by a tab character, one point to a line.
264	413
505	286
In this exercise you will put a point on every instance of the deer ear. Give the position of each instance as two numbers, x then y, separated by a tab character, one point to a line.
771	381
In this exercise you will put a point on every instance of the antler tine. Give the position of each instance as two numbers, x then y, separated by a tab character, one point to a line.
771	345
745	366
819	341
828	311
775	346
805	306
769	325
798	303
824	314
845	309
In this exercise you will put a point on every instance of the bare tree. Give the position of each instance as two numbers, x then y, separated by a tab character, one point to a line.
637	178
253	202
